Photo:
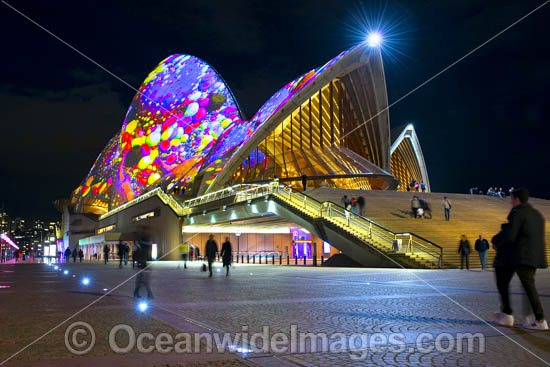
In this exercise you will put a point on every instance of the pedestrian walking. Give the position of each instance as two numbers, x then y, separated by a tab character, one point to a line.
120	250
464	251
143	278
415	205
482	247
226	255
210	252
80	254
354	205
67	254
361	203
426	208
184	254
126	254
135	253
447	208
347	207
423	186
75	254
520	250
106	251
304	182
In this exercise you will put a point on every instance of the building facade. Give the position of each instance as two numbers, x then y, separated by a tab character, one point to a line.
184	134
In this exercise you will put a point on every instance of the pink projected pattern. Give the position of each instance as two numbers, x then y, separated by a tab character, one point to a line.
184	121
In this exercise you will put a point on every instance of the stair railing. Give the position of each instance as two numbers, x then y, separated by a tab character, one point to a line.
331	212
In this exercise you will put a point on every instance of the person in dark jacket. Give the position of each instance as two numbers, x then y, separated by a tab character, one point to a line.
464	250
67	254
106	251
210	252
80	254
426	207
520	249
75	254
482	247
143	278
361	203
120	250
226	255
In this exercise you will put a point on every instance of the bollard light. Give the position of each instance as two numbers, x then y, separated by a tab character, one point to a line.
143	306
85	281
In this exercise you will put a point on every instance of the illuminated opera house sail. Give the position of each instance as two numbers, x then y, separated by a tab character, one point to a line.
184	130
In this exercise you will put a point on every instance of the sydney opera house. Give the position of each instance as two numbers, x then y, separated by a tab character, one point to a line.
184	134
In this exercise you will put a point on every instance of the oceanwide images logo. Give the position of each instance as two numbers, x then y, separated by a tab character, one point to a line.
80	339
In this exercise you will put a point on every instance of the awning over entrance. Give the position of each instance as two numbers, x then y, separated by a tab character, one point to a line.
100	238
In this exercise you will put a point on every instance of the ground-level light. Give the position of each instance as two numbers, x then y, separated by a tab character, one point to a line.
143	306
85	281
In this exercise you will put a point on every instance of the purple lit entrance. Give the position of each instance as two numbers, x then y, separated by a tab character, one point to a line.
301	243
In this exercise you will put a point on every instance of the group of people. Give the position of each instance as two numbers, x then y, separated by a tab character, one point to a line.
464	249
355	205
416	186
520	249
491	191
211	251
76	252
421	208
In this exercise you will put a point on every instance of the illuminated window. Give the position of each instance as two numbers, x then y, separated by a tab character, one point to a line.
147	215
106	228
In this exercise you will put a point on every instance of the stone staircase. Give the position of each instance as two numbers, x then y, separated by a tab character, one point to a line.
470	215
358	233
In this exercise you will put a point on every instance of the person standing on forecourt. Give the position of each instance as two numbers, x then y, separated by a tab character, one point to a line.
80	254
143	277
482	247
464	251
521	250
106	251
210	252
226	255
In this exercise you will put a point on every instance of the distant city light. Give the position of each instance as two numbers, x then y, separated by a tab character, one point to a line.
85	281
5	237
374	39
142	306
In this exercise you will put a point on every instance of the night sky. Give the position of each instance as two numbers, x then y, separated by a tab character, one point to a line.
485	122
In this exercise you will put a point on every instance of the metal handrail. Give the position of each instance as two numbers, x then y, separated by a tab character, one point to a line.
327	209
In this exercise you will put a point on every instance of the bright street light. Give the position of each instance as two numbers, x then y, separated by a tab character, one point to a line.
374	39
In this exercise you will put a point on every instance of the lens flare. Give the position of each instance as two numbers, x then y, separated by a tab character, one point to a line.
374	39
